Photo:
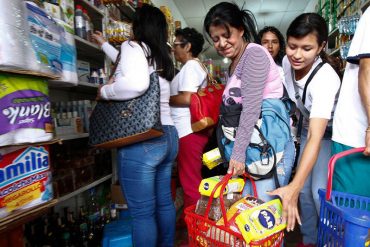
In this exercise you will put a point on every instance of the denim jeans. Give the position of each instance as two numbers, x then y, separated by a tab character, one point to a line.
284	170
145	176
309	198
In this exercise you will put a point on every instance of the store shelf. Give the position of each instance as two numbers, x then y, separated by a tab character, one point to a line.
365	5
73	136
334	52
89	7
340	15
82	189
126	10
334	32
87	84
19	217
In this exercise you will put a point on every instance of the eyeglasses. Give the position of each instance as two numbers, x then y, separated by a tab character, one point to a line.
175	43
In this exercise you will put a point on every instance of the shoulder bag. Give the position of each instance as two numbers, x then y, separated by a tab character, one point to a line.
205	104
119	123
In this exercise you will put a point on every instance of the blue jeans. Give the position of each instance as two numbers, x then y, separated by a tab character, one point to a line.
284	170
145	176
309	198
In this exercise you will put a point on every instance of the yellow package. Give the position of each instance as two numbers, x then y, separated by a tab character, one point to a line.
260	222
212	158
207	185
238	207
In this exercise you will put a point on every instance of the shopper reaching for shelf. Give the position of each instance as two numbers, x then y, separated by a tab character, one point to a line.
144	168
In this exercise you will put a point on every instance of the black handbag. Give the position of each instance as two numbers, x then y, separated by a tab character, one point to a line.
119	123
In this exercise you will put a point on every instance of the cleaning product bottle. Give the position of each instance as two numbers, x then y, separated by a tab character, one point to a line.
80	24
88	25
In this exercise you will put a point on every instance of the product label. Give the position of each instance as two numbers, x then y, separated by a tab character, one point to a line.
24	109
25	179
24	103
45	37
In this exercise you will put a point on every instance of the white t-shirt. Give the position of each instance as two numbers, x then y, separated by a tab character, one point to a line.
189	79
321	92
132	77
350	120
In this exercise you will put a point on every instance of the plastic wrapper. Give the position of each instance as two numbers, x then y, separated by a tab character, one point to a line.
25	115
30	41
215	212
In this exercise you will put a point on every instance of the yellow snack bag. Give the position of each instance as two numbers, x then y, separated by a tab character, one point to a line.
212	158
260	222
207	185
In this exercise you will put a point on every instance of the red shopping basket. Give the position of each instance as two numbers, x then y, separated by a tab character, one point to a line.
204	232
344	217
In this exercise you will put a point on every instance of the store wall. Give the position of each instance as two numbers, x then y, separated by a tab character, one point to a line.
311	6
174	10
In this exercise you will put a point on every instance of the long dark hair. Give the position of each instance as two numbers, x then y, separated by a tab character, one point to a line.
225	14
150	27
279	58
313	23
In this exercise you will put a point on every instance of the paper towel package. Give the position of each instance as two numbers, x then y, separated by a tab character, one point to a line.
25	110
25	179
31	39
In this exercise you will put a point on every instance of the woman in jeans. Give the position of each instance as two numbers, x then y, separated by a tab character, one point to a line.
145	167
253	76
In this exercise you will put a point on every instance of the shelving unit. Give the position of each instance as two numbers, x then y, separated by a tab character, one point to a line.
84	188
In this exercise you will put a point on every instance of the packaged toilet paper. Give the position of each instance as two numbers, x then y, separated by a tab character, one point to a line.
25	110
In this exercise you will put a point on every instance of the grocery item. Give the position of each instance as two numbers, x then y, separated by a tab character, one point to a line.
238	207
215	212
25	179
207	185
260	222
80	23
212	158
25	115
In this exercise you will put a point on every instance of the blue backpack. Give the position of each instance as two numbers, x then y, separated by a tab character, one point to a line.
269	137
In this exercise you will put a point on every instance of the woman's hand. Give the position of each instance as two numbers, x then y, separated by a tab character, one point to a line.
98	38
236	167
289	196
98	94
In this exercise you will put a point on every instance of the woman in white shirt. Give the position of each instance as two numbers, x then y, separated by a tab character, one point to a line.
306	38
145	167
186	47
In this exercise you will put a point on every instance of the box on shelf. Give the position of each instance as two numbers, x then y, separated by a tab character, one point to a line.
83	71
53	10
25	179
68	126
117	196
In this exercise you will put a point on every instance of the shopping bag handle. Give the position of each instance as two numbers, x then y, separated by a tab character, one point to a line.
223	184
332	162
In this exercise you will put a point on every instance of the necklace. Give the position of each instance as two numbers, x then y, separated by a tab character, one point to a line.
235	62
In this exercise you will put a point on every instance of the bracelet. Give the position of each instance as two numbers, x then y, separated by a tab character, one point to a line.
368	129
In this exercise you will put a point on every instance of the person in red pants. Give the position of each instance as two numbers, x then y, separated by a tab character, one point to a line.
192	76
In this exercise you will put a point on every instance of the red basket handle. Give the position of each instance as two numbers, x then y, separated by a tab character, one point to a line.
332	162
223	184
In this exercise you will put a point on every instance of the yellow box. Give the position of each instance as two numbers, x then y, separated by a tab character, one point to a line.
207	185
260	222
212	158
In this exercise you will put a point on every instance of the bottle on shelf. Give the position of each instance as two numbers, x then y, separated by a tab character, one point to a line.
102	77
88	24
80	24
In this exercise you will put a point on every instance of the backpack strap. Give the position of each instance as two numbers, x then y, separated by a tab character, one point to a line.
300	101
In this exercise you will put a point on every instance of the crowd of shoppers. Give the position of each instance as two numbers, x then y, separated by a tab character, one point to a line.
256	72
